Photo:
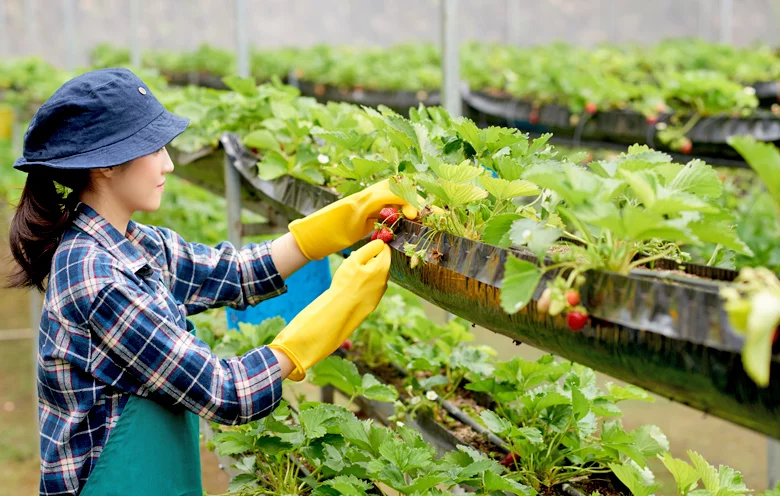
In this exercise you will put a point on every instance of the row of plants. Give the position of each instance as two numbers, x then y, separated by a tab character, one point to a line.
677	82
674	85
559	428
494	185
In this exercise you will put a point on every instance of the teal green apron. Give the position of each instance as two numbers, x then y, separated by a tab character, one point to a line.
152	451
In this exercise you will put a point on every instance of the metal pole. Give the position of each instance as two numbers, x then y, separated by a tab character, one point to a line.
35	323
31	26
135	38
3	31
705	19
233	197
242	39
611	19
70	33
726	20
513	16
773	462
450	61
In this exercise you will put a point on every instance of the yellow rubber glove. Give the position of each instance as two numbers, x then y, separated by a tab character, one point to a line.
321	327
345	222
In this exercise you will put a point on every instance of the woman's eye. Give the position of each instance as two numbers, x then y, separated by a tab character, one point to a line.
158	151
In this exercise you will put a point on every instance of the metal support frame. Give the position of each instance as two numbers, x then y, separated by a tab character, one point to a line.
135	38
4	39
705	20
30	26
242	39
69	18
612	21
726	21
450	60
773	462
514	13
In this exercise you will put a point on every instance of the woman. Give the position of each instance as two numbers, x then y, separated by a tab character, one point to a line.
121	376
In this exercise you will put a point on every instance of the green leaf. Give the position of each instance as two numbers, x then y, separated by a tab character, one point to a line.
405	457
643	186
538	143
372	389
685	476
536	235
434	381
497	230
337	372
650	440
764	158
634	479
720	233
469	132
520	281
552	398
496	483
243	86
452	194
233	443
579	404
506	190
284	111
628	392
463	173
262	140
496	424
406	190
272	166
698	178
349	485
707	473
241	482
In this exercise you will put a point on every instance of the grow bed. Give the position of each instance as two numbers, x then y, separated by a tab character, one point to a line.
664	331
623	127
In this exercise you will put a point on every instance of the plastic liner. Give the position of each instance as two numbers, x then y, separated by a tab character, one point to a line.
768	93
624	127
400	101
664	331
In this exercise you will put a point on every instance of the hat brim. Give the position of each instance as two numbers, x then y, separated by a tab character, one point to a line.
155	135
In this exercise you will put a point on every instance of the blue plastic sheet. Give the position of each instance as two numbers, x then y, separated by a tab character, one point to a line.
303	287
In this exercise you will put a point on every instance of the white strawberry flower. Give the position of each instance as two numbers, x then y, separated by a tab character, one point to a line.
415	400
323	159
431	395
749	90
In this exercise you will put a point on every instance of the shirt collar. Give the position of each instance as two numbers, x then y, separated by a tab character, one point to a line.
109	237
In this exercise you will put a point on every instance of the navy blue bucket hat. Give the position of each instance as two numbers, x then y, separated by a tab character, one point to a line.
99	119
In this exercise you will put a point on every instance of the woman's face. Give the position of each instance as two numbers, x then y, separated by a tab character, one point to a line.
139	183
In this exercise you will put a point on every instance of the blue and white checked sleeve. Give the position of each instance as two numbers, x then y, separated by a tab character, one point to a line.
201	277
139	349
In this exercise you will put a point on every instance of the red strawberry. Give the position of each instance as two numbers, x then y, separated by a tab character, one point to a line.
385	235
576	320
389	215
652	119
509	460
533	117
374	235
573	297
346	345
686	147
591	108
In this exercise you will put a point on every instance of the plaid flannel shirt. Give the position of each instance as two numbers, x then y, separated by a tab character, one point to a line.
114	324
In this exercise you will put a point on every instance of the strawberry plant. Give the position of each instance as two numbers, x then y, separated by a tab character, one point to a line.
620	212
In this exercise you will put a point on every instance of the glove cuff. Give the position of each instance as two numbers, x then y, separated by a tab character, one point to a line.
299	372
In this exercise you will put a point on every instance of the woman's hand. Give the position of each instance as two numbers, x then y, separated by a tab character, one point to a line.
345	222
316	332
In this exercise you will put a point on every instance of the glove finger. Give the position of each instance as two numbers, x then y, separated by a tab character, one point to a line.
367	252
380	264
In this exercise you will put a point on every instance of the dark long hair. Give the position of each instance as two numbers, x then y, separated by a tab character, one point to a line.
45	210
